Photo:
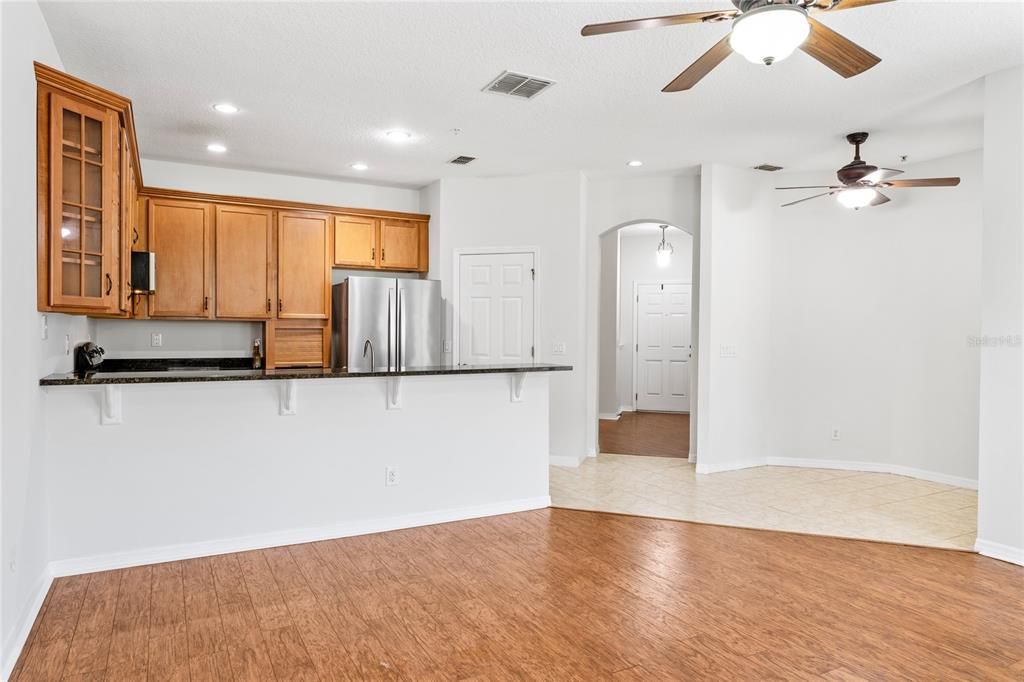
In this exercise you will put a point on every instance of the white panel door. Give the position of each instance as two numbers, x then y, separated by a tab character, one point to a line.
663	347
496	308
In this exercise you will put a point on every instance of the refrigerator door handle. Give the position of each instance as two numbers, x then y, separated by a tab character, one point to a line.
389	330
398	339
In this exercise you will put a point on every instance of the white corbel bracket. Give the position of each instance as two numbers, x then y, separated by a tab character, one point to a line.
110	405
289	398
518	379
393	387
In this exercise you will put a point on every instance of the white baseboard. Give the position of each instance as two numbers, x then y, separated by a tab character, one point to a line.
610	416
14	645
566	460
704	468
692	457
626	408
844	465
1013	555
154	555
874	467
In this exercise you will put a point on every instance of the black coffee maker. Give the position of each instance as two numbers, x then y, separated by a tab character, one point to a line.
88	358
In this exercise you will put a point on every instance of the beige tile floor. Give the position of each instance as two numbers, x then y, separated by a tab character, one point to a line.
821	501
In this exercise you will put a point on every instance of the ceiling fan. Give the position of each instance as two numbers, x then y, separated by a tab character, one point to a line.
765	32
861	182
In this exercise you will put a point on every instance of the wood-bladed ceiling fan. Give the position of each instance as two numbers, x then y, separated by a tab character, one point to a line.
861	181
763	31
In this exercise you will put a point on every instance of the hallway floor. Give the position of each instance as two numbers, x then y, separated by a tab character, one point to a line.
655	434
818	501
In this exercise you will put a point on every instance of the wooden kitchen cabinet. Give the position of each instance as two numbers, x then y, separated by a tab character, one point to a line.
244	247
403	245
304	265
84	253
355	241
181	236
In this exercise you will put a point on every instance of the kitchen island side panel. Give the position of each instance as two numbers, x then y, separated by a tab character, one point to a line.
200	469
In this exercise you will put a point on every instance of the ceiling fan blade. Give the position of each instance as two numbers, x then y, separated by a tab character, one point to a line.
880	175
798	201
924	182
879	199
813	187
700	68
655	22
840	54
825	6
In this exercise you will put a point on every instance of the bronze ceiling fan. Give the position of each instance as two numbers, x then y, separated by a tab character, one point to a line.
861	182
763	31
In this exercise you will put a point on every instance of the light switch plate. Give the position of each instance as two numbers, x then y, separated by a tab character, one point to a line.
558	348
727	350
44	328
156	340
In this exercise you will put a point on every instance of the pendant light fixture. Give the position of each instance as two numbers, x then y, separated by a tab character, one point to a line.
665	250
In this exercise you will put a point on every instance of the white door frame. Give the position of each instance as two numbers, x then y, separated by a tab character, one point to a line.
457	291
636	333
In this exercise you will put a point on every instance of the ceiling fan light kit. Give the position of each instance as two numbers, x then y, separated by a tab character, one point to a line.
764	32
769	33
860	181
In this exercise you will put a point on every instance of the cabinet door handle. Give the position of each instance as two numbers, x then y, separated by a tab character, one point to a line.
135	236
110	284
382	254
206	302
280	305
373	253
268	305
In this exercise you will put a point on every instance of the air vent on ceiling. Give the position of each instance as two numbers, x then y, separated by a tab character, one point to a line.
768	167
518	85
462	160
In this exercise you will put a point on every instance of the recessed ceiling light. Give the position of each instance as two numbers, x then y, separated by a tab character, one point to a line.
359	166
216	148
398	136
635	163
225	108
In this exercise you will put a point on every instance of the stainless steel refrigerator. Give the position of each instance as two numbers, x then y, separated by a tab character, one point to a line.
396	322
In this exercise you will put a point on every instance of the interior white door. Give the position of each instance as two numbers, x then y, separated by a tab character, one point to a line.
663	349
496	304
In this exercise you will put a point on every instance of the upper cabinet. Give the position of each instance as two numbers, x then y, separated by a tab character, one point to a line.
303	265
244	249
181	234
403	245
355	241
83	158
362	242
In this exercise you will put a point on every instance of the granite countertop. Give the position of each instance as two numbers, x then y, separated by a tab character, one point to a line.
159	371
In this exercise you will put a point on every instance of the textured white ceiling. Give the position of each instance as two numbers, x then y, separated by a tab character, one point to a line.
319	82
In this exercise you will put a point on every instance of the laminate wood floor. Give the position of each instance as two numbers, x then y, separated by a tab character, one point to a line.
657	434
551	594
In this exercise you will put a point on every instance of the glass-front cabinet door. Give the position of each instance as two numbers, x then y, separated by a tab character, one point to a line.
83	250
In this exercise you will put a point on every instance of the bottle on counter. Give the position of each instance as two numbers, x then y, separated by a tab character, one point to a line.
257	355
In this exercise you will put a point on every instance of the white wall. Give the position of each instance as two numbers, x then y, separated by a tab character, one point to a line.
232	181
1001	442
871	312
637	264
609	404
612	202
734	405
24	356
197	469
543	212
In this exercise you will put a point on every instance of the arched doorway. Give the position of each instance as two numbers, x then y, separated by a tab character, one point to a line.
647	330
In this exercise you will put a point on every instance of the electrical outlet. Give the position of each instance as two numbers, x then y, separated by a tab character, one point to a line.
446	346
558	348
390	476
44	328
835	433
67	344
156	340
